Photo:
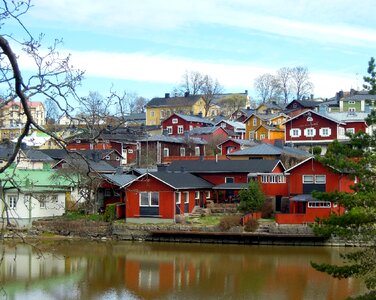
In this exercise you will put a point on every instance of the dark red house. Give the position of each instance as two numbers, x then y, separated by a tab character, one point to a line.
311	128
233	145
234	129
162	195
178	124
209	134
306	177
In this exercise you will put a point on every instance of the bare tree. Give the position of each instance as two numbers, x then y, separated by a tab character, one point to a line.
192	83
283	78
267	87
210	89
301	85
232	103
51	110
139	105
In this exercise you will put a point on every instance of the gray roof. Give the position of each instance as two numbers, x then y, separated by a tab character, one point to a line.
359	97
348	116
135	117
224	166
230	186
305	103
173	101
5	153
87	165
241	142
192	118
119	179
172	139
182	180
267	149
203	130
37	155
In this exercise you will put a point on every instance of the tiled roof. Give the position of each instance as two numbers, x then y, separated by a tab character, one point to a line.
182	180
173	101
224	166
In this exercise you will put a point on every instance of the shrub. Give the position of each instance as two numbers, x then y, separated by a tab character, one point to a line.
110	212
228	222
251	225
251	198
267	210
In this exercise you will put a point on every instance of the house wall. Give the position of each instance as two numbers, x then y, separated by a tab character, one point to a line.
219	178
180	122
229	145
23	214
358	126
317	123
249	126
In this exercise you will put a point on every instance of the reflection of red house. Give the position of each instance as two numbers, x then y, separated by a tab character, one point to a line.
306	177
163	195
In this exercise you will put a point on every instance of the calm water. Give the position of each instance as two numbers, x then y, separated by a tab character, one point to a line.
124	270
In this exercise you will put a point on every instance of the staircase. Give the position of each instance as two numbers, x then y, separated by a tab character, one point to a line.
198	212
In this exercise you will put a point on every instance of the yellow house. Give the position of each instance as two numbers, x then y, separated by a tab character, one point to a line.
271	133
158	109
255	120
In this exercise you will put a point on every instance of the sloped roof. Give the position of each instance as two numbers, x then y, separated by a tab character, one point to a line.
5	153
235	124
269	127
224	166
182	180
348	116
36	155
172	139
359	96
204	130
305	103
249	143
326	116
267	149
192	118
173	101
119	179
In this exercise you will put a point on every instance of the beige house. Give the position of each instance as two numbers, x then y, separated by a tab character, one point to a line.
12	114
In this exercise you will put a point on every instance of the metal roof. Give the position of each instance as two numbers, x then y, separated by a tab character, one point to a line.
181	180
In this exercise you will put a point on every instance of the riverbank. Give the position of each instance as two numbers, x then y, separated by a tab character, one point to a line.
267	234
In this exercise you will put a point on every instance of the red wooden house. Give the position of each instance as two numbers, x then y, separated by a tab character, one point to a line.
209	134
229	177
306	177
235	129
232	145
178	124
160	196
311	128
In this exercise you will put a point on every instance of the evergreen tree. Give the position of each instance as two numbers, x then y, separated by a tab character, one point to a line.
251	199
358	223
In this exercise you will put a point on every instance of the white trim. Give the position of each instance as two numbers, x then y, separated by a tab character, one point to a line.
180	129
307	130
321	131
169	129
299	132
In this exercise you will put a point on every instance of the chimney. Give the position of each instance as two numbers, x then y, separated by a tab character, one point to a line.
340	94
200	114
167	95
186	94
246	92
311	96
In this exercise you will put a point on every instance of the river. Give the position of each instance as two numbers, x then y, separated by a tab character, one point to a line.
139	270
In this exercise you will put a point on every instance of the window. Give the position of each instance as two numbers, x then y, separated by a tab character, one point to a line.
308	179
186	197
319	204
117	158
42	202
175	121
169	129
197	151
207	194
182	151
262	136
352	109
180	129
166	152
177	197
163	114
229	179
107	157
295	132
190	127
314	179
309	132
350	130
149	199
254	122
12	201
152	114
325	131
264	179
273	179
351	102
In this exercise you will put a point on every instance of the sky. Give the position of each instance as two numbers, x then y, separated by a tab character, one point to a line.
145	46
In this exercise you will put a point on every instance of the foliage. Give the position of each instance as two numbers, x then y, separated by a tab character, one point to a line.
110	212
370	81
73	216
251	225
316	150
358	160
251	199
227	222
232	103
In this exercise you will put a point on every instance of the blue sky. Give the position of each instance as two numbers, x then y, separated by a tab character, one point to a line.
145	46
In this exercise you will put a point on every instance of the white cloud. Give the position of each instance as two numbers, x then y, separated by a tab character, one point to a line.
339	21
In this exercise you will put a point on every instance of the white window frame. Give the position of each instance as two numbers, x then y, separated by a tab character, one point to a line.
315	179
42	202
152	114
12	201
351	102
182	151
232	179
295	132
166	152
254	122
190	127
108	157
318	181
350	130
264	178
352	109
175	121
186	197
305	179
169	129
130	150
207	194
180	129
197	195
319	204
177	197
197	151
149	198
325	131
307	132
262	136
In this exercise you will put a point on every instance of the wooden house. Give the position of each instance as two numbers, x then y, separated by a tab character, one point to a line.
232	145
179	124
161	196
304	178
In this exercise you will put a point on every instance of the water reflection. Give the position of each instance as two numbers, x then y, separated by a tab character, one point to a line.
121	270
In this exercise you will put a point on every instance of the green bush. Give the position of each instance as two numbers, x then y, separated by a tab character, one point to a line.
251	225
110	212
228	222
